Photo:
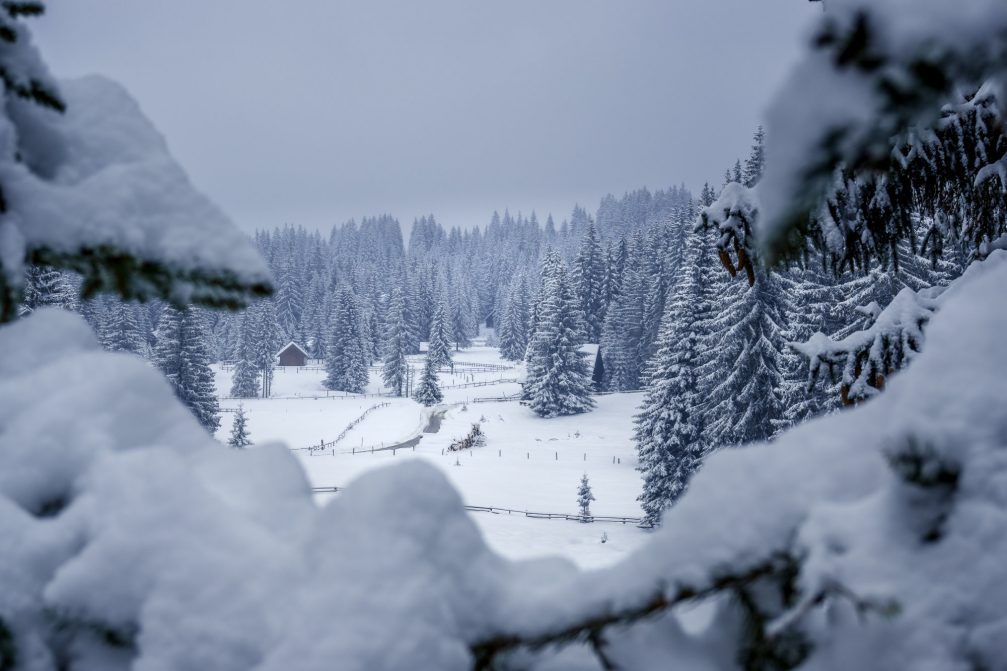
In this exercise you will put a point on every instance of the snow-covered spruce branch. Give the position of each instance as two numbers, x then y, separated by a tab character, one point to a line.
733	216
591	627
869	356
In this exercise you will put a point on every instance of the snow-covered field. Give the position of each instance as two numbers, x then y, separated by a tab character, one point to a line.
528	463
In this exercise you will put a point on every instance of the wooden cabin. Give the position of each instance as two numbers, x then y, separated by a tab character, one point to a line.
292	355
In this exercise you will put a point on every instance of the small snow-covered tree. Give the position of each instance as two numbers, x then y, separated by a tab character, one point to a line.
239	430
182	355
428	392
584	499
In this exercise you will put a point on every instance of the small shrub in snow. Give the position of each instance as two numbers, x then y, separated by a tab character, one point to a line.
476	438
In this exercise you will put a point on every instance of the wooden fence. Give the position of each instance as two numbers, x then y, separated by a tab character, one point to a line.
637	521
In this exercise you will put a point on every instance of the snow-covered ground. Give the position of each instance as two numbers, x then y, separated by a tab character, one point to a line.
528	463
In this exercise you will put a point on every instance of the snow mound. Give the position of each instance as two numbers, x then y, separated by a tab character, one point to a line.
100	178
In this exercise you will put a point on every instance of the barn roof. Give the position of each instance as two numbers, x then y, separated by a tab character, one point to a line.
289	345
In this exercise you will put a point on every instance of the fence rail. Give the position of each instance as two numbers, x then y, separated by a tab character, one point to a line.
637	521
493	399
483	383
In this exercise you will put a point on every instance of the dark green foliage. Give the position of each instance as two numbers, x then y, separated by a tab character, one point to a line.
8	648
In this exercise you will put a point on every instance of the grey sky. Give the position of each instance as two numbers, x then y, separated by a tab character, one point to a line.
315	111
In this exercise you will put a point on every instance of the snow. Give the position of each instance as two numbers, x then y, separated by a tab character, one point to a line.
827	114
527	465
207	557
825	492
101	175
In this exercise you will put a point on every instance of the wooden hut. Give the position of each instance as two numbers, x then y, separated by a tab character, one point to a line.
292	355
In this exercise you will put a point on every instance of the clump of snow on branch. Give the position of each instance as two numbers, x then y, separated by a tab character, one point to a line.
869	356
734	215
100	175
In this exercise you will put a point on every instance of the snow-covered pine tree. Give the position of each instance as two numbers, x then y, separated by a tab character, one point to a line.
558	382
514	325
266	341
669	427
240	437
744	379
589	283
746	383
756	159
439	343
428	392
122	332
182	355
289	299
461	318
346	360
245	379
622	337
47	286
395	367
584	499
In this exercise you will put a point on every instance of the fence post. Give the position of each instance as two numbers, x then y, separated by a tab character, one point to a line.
585	456
557	456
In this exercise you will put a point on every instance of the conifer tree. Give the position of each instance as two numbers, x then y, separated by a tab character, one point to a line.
589	283
122	333
439	343
245	380
45	286
239	430
265	343
584	499
395	367
622	338
461	318
514	325
669	426
756	159
182	355
558	381
346	360
428	392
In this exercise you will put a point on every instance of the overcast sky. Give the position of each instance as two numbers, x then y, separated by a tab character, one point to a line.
315	111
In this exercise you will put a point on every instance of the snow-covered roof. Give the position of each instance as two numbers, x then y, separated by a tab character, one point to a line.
287	346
